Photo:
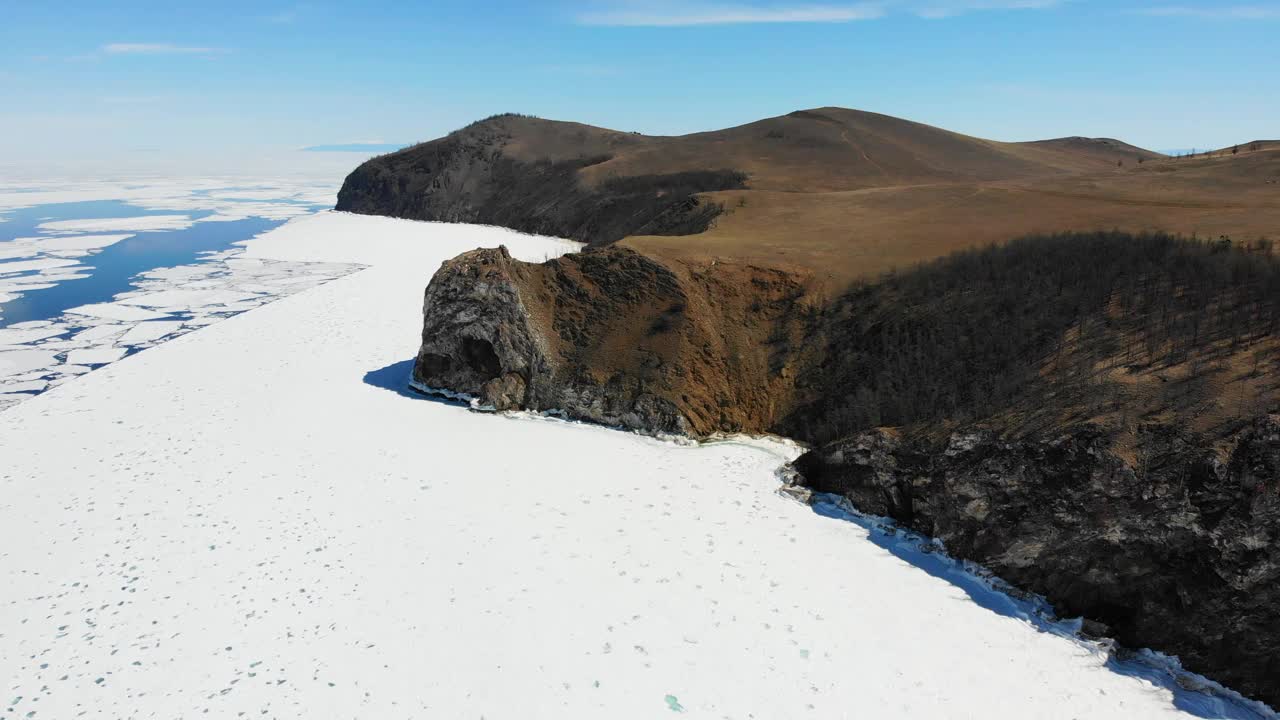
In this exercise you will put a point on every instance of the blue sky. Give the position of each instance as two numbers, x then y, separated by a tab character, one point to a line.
92	80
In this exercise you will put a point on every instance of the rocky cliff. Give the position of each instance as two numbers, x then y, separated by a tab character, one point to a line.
1178	551
615	337
528	174
1162	530
1078	411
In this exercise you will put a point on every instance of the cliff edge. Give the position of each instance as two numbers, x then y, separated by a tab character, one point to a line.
615	337
1177	551
528	174
1090	414
1087	415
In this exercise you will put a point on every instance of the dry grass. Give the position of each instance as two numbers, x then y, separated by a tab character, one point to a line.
846	194
855	234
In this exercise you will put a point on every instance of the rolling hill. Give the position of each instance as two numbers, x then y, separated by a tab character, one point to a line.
842	193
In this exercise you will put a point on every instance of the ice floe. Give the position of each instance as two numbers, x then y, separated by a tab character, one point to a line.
222	193
23	266
64	243
23	360
96	355
115	311
13	335
24	386
146	332
164	303
186	200
141	223
259	520
46	262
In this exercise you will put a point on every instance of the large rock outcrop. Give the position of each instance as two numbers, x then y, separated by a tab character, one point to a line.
477	339
1179	551
614	337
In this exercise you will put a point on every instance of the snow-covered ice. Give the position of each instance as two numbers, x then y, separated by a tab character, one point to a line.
224	195
21	266
187	298
93	335
186	200
96	356
13	362
23	386
145	332
164	303
115	311
17	336
71	242
257	520
140	224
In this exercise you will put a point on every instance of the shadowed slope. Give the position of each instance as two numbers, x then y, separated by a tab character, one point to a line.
839	193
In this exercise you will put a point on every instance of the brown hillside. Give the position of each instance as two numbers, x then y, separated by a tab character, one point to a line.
861	233
841	194
835	149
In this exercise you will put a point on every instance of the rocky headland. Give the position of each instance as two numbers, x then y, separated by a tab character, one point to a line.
1089	415
615	337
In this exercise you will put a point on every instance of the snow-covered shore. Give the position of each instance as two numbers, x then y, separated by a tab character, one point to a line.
256	518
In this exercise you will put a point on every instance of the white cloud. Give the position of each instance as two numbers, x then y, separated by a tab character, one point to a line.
1216	12
938	9
677	15
158	49
659	13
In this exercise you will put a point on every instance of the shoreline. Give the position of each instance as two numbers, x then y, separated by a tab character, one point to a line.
256	528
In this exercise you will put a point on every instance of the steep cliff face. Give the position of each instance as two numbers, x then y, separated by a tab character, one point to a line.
488	173
479	338
1180	551
616	337
1163	532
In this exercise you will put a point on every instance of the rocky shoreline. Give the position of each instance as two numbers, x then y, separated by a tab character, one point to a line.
1174	550
1088	414
614	337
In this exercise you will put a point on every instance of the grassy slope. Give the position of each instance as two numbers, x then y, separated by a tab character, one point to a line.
847	194
861	232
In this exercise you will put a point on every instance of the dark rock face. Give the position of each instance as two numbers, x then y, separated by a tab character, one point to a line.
477	339
1178	552
488	333
614	336
468	177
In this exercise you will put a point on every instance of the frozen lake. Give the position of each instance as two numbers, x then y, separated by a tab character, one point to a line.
255	519
81	266
113	266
